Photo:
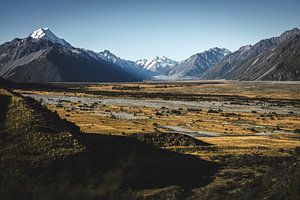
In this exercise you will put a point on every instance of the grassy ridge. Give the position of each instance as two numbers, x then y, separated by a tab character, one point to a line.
44	157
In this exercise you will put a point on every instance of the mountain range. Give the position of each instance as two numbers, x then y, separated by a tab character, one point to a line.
273	59
44	57
197	64
160	65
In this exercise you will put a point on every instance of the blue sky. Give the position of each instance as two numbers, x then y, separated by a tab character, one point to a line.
136	29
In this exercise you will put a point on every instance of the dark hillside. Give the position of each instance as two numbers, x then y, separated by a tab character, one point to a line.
44	157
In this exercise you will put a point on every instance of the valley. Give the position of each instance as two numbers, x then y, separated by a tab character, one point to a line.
229	108
248	130
150	100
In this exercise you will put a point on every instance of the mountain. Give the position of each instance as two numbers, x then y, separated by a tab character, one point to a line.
43	57
46	34
160	65
127	65
195	65
273	59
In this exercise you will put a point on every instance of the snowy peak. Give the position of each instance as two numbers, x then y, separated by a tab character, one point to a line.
108	56
159	64
41	33
46	34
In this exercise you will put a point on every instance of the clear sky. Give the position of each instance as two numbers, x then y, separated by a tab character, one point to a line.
135	29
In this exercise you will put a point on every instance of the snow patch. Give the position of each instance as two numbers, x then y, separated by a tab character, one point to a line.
46	34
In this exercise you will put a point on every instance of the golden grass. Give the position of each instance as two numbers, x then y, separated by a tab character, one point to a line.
90	121
246	89
237	138
99	119
281	141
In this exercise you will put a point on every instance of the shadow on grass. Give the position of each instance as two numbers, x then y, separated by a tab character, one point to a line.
107	165
4	103
112	164
145	166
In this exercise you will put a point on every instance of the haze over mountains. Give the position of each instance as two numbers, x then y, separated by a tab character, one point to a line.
44	57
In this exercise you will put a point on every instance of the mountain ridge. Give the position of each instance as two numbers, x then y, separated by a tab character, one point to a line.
44	57
266	56
198	63
159	65
46	33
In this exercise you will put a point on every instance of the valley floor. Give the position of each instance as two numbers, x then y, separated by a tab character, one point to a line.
250	130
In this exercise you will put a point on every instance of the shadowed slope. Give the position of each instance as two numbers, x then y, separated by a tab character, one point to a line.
44	156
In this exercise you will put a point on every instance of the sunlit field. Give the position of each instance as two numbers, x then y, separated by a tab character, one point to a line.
250	128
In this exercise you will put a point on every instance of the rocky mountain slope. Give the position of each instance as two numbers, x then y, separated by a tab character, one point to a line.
197	64
274	59
43	57
127	65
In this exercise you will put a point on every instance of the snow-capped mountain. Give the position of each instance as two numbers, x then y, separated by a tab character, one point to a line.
142	62
43	57
127	65
46	34
107	55
160	65
197	64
